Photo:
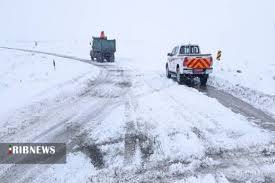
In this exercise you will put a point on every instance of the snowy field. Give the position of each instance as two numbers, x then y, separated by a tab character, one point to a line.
27	78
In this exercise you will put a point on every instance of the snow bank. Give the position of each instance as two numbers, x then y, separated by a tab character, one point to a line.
261	100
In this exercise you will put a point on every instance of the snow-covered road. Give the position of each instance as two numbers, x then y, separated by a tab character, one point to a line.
130	124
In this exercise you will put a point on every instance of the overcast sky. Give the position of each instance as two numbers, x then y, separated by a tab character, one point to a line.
211	23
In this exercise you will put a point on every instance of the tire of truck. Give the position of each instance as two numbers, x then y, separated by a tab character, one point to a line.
168	74
179	76
99	58
92	55
112	58
189	81
203	79
92	58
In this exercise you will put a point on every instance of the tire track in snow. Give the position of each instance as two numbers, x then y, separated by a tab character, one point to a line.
137	135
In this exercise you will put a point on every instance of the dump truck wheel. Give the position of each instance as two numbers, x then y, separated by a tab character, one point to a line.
92	55
203	79
99	58
168	74
112	58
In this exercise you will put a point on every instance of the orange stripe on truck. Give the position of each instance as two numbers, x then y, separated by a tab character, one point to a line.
198	63
188	61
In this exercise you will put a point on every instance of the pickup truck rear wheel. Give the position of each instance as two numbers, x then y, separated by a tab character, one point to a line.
168	74
203	79
179	76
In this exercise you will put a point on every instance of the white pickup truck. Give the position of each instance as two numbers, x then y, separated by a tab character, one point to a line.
185	62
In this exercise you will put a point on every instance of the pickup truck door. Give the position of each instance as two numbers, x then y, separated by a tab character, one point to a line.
174	58
169	59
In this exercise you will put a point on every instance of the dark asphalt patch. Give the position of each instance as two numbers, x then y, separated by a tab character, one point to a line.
94	153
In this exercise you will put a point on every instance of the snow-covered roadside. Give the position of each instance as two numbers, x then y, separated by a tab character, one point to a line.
27	78
252	83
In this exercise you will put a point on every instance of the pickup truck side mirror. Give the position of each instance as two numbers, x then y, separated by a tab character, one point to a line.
169	54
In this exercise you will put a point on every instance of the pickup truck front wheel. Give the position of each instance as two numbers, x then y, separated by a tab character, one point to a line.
168	74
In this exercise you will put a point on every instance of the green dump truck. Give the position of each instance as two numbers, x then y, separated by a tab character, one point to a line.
103	49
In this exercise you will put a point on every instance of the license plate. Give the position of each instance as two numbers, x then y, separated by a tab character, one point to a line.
197	71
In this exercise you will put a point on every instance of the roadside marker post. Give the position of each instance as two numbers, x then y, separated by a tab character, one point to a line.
54	64
219	54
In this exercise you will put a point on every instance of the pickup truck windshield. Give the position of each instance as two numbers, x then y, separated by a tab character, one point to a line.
189	50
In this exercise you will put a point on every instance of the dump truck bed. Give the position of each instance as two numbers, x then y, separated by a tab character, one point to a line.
104	45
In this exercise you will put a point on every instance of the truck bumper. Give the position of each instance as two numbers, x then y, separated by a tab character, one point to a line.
193	71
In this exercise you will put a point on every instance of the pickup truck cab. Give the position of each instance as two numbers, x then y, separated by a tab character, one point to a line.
186	62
